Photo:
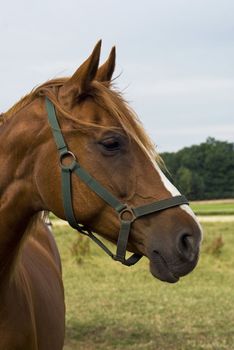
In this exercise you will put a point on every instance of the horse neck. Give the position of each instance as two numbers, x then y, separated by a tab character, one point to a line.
18	202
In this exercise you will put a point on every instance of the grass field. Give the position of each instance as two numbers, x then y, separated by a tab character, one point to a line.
110	306
219	207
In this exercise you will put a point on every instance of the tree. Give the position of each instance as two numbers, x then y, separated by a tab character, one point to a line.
184	180
204	171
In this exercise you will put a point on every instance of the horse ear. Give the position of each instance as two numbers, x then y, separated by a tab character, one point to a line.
80	81
105	72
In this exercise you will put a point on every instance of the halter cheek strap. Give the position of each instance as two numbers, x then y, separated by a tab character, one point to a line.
121	208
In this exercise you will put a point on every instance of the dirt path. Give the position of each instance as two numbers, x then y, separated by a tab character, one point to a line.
216	218
203	218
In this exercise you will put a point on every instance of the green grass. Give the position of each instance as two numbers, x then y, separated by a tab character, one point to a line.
110	306
213	208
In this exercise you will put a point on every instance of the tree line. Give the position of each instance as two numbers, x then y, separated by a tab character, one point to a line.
204	171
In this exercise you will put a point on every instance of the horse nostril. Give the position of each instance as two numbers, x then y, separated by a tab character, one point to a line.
186	246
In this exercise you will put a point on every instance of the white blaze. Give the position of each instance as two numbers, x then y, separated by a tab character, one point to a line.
174	192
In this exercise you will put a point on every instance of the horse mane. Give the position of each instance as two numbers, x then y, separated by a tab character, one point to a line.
28	98
109	98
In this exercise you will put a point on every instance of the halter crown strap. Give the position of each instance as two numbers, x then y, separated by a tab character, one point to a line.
101	191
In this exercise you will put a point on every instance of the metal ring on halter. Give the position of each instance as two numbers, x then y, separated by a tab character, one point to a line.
127	210
72	163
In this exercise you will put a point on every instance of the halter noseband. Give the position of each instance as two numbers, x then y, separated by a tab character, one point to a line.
119	207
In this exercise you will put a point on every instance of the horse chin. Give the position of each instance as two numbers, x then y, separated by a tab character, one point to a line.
160	270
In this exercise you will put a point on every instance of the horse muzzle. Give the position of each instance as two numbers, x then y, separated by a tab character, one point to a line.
164	270
170	262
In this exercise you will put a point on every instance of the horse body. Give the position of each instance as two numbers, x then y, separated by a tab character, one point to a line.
32	300
36	296
111	145
31	290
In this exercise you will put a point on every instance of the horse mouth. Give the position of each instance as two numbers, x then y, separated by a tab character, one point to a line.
160	269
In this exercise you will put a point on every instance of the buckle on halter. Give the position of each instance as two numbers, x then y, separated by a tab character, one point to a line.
127	214
70	160
118	258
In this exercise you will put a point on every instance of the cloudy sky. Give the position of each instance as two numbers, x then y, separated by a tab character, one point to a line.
176	58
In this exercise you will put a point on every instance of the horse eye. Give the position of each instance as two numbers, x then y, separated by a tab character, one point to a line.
111	144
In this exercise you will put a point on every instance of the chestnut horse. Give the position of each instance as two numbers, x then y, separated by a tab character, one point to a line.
103	134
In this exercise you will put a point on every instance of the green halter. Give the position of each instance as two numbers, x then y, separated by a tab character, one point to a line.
120	208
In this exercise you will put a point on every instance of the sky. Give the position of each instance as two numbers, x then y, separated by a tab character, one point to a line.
175	58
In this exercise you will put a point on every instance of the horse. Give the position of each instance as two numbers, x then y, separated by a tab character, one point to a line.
74	147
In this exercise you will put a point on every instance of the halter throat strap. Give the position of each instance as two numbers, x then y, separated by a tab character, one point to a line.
121	208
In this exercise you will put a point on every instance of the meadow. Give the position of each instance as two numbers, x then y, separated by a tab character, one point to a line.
213	207
110	306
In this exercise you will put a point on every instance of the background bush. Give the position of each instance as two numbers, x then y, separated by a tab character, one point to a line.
204	171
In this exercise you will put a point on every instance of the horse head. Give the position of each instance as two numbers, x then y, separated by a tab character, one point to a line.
106	138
